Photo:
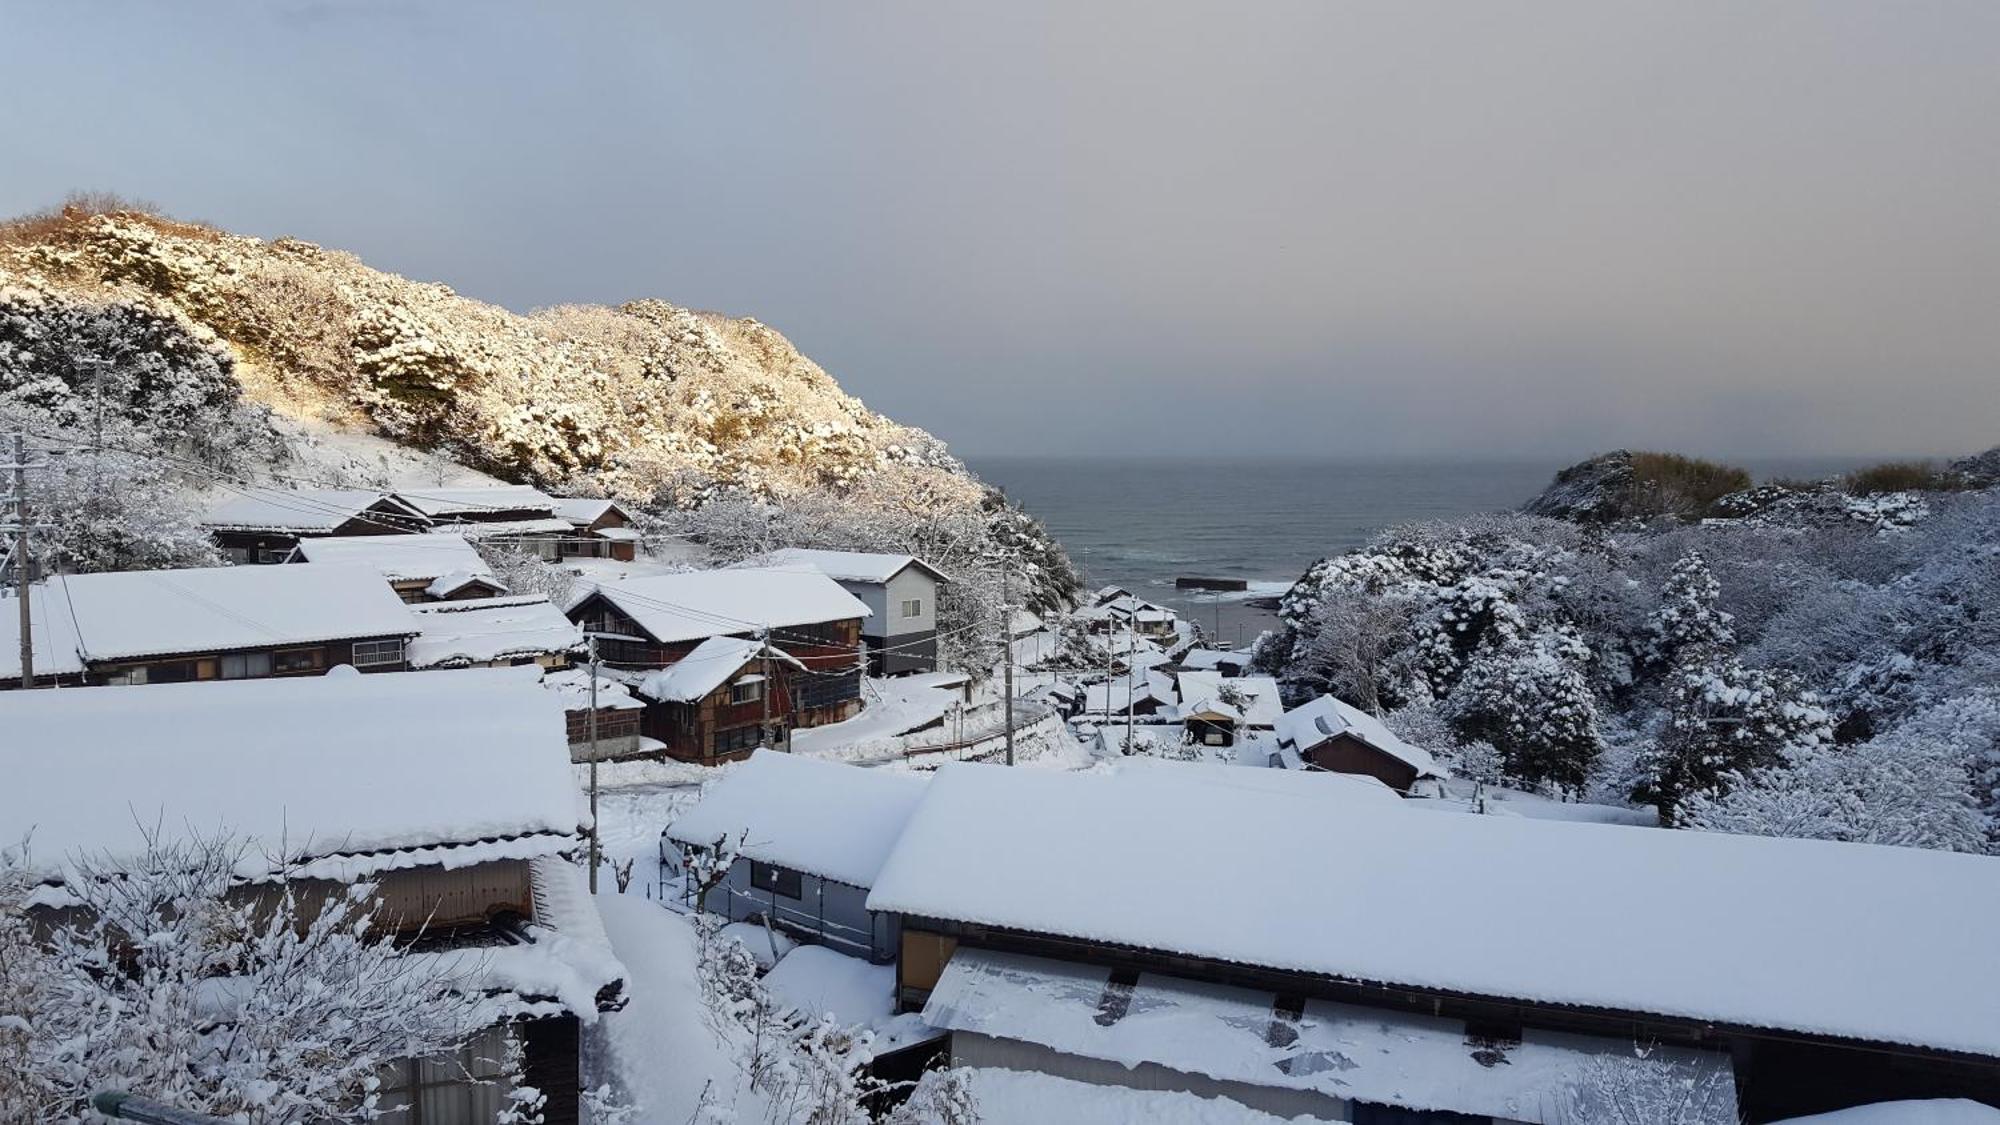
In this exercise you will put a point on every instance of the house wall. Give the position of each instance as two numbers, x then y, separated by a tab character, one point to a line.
973	1049
184	667
1347	754
827	912
552	1063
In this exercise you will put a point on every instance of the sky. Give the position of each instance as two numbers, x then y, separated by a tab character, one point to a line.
1313	228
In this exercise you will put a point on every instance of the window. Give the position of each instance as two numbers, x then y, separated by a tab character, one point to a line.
298	660
374	654
246	665
913	607
782	881
738	740
273	555
825	690
238	556
463	1088
749	689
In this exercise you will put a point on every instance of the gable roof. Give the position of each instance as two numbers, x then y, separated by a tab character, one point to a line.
399	558
298	509
716	603
1262	704
824	818
489	629
853	566
708	667
135	613
582	511
448	503
355	774
1539	911
1309	724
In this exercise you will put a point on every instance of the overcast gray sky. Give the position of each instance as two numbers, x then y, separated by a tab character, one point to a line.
1313	228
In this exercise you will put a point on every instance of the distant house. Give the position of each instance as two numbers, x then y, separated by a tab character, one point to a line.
1211	722
901	593
1428	964
521	517
810	836
599	529
618	717
211	623
1114	610
722	700
1331	735
439	567
1224	663
655	621
1255	698
262	525
493	632
451	794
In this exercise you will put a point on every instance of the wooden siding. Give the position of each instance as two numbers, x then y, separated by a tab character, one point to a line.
1348	754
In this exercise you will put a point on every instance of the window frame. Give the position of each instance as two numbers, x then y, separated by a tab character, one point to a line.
316	661
908	612
777	879
396	644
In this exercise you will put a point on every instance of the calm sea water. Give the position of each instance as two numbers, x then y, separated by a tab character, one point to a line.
1141	523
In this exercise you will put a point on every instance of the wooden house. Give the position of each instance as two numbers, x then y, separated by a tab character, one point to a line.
1211	722
724	699
450	793
493	633
901	593
654	622
212	623
1328	734
522	518
263	525
619	717
809	837
438	567
599	529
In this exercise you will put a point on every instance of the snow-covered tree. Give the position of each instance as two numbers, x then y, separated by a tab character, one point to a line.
1687	619
1530	698
1724	723
109	510
169	977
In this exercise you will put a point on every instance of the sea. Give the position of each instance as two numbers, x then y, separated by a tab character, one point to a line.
1141	523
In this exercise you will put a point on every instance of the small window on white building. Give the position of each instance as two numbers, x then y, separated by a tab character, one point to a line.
913	607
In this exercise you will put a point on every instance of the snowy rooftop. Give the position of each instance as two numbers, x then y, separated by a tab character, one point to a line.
51	629
582	511
346	773
399	558
711	663
295	510
851	566
1339	1050
489	629
1309	724
823	818
448	503
1262	705
710	603
494	529
135	613
1586	914
572	686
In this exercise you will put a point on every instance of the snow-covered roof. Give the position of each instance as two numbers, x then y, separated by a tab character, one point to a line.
448	503
134	613
582	511
1310	724
1031	1097
296	509
572	686
852	566
495	529
1210	659
1021	622
399	558
1210	708
51	629
1263	706
1923	1111
708	667
346	774
1539	911
713	603
824	818
1342	1051
489	629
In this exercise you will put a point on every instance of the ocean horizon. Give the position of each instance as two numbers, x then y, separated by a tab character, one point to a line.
1142	522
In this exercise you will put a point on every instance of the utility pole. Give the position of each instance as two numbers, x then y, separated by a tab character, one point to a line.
595	855
1007	654
764	688
1131	662
22	571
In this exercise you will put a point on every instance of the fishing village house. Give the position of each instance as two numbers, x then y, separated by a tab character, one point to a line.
438	567
1403	965
598	529
493	633
655	622
901	593
1328	734
616	733
451	793
263	525
209	623
808	837
515	515
722	700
